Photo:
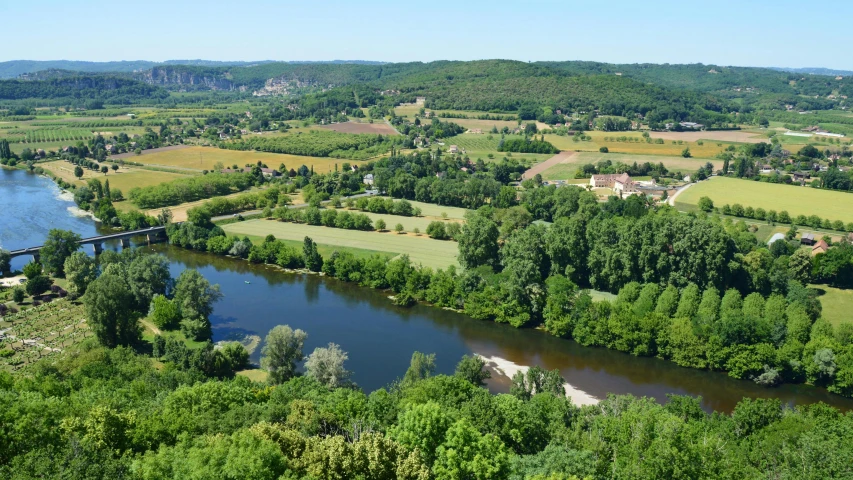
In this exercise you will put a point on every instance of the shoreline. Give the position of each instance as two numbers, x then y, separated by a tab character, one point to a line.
508	369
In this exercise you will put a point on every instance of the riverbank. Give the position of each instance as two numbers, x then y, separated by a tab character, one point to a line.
508	369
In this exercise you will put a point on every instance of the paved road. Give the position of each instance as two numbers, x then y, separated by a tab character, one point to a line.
671	200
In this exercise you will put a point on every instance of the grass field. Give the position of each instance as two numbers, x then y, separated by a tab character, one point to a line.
204	158
796	200
480	146
708	149
124	179
837	304
409	223
566	170
435	211
378	127
423	250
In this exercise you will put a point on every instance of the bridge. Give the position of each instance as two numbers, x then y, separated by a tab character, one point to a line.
97	243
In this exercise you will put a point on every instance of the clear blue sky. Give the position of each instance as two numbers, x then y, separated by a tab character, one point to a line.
725	32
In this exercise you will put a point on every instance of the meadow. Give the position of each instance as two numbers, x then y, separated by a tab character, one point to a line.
421	249
480	146
638	145
433	211
567	168
837	304
796	200
205	158
124	179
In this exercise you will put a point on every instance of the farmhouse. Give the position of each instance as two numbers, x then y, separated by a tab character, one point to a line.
807	239
475	130
692	125
453	149
619	182
267	172
820	247
368	179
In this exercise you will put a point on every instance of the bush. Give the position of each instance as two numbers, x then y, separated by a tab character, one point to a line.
706	204
604	150
437	230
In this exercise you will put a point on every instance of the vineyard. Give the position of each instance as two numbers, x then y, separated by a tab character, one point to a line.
49	134
44	330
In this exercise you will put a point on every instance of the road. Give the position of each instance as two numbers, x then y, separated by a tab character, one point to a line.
671	200
541	167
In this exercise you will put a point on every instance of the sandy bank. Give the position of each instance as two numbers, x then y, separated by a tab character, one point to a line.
508	369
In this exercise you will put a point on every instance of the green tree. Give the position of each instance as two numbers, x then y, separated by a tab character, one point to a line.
472	369
468	454
706	204
326	365
686	153
148	275
478	242
18	294
422	427
194	297
688	304
282	350
436	230
164	313
60	244
312	258
78	172
37	285
110	310
5	261
399	228
80	271
380	225
421	366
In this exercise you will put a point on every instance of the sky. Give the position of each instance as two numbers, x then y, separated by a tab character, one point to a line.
763	33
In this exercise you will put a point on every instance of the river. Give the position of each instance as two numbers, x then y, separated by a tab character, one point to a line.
380	337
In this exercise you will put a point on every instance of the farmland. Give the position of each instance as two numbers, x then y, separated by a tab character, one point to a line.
422	249
796	200
634	143
565	170
435	211
480	146
205	158
380	127
40	331
124	179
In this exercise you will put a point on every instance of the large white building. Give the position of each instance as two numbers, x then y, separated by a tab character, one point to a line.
620	182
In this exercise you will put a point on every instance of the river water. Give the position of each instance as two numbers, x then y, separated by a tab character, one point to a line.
380	337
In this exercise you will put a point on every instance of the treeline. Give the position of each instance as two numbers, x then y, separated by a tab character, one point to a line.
190	189
93	88
178	422
318	144
526	145
813	221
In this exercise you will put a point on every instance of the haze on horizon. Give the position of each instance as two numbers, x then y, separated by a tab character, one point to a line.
760	33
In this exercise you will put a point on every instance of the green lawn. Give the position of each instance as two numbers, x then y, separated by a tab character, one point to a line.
324	249
409	223
421	249
433	210
837	304
769	196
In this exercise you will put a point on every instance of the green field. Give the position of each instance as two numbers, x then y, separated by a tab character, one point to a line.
409	223
421	249
433	210
124	179
770	196
204	158
837	304
566	171
480	146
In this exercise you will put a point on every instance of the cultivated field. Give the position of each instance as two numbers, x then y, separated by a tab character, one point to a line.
150	151
409	223
566	168
796	200
124	179
40	331
736	136
205	158
423	250
553	162
480	146
378	127
433	211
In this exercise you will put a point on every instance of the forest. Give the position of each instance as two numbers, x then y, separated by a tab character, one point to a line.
91	88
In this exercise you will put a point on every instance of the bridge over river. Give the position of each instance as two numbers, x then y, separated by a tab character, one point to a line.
97	243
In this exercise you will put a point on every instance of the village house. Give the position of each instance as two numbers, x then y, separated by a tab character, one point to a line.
692	125
40	153
110	148
807	239
267	172
767	169
618	182
368	179
453	149
475	130
820	247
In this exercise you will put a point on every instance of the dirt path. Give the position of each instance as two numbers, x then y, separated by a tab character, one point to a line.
562	157
150	326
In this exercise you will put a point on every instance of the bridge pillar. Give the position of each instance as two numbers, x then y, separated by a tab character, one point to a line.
125	242
98	248
36	257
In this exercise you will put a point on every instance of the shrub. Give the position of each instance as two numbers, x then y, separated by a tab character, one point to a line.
437	230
